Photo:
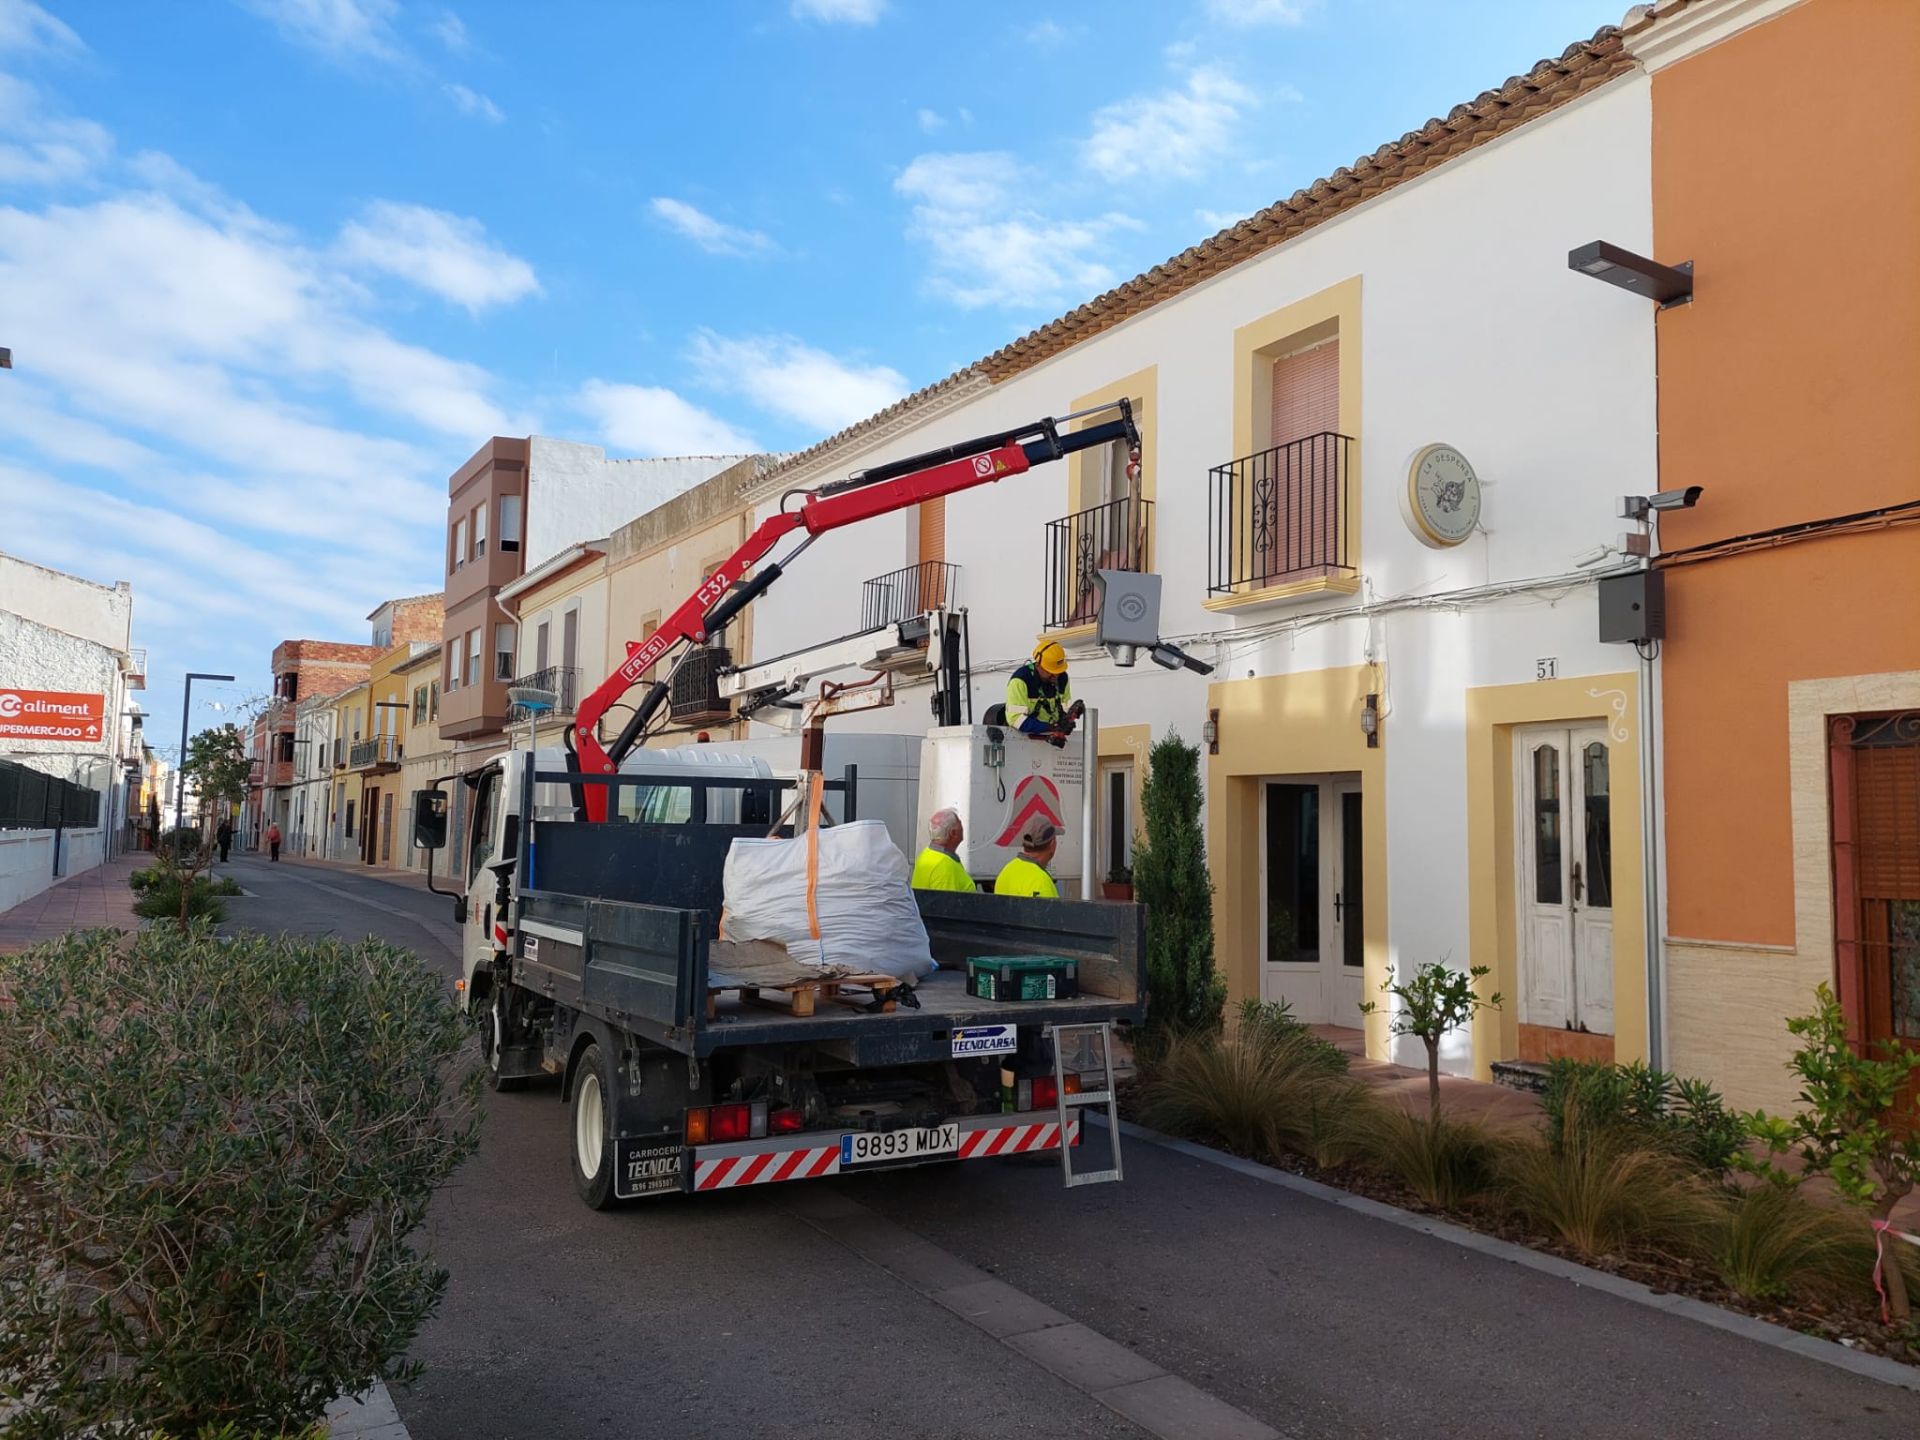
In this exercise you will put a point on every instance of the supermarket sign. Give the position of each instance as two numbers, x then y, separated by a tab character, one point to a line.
51	715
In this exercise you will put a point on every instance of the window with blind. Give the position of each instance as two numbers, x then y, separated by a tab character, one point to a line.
1887	870
1301	509
932	556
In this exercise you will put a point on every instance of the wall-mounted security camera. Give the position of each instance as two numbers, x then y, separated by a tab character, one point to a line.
1635	507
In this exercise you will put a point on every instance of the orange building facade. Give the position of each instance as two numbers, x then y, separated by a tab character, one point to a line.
1785	169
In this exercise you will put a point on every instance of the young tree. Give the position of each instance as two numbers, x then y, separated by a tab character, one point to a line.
1170	878
219	766
1435	1002
1861	1126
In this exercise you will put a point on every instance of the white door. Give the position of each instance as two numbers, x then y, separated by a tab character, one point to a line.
1311	904
1562	792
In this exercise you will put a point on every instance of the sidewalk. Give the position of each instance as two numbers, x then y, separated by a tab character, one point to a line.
95	899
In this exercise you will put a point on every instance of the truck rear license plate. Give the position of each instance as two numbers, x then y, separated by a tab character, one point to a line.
870	1146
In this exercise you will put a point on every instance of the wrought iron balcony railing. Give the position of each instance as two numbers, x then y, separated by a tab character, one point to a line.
1114	536
1282	515
562	680
904	593
374	752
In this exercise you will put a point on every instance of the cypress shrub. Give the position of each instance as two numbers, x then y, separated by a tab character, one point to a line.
1170	878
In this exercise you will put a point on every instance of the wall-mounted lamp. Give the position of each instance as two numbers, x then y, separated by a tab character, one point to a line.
1210	732
1370	720
1668	285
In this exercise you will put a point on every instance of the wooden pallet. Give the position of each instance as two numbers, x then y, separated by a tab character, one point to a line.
801	997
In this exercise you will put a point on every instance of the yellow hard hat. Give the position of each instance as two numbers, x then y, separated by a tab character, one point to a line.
1050	657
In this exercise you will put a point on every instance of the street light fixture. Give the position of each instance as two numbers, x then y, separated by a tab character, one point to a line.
186	705
1667	285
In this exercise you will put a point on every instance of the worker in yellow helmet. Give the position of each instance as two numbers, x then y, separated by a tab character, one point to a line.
1026	874
1039	702
939	867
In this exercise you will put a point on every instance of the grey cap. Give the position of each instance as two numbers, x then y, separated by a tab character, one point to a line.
1037	834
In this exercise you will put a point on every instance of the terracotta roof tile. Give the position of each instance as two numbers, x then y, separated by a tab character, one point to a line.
1492	113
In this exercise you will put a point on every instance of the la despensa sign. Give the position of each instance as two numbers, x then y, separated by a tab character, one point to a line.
51	715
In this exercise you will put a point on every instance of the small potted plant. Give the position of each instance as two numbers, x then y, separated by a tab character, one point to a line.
1118	885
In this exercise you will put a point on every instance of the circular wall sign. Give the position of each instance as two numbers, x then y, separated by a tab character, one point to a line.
1442	500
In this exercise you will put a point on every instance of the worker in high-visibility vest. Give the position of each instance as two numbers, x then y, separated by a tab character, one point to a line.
1039	701
1026	874
939	867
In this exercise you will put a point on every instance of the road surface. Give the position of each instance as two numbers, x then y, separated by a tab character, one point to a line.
809	1309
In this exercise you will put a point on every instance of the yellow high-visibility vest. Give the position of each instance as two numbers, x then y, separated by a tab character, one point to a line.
1020	876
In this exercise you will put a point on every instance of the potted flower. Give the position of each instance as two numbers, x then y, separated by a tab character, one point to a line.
1118	885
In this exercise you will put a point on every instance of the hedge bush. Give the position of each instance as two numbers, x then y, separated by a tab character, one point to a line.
212	1154
1651	1107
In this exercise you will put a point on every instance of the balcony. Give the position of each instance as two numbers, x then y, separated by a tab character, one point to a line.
375	754
1114	536
278	774
562	680
902	594
1282	518
135	668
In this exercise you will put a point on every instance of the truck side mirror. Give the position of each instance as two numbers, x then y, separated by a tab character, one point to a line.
429	819
459	909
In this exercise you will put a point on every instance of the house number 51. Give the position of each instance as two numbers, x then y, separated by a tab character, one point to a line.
1546	668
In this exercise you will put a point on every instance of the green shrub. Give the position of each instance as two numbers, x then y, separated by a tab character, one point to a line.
1447	1163
181	843
1600	1191
1770	1244
143	878
1653	1107
160	899
212	1154
1268	1021
226	885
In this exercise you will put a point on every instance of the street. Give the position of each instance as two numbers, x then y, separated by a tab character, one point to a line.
800	1310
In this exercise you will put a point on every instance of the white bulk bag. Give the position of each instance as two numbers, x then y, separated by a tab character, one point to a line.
862	896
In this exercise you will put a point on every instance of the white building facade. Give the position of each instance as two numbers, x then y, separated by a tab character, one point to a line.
1421	752
66	656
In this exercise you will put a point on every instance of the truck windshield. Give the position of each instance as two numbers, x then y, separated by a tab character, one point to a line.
486	800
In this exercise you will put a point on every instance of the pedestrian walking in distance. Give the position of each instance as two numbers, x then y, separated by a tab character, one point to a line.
273	842
223	837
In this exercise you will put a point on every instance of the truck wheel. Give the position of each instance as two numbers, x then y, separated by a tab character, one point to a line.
493	1037
592	1131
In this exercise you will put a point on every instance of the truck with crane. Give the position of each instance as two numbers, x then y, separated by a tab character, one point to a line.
592	904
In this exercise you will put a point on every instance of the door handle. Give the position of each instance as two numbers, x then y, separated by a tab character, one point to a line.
1338	899
1577	897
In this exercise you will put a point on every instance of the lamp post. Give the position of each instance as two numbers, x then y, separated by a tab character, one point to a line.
186	705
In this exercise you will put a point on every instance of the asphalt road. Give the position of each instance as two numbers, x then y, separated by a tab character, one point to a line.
748	1315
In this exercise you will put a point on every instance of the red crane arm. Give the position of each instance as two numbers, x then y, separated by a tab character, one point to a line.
728	590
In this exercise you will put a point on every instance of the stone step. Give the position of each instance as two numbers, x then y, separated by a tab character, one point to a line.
1527	1075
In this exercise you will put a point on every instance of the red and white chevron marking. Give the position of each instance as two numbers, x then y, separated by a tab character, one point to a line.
733	1170
1014	1139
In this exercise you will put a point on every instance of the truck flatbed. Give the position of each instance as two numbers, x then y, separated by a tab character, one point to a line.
625	914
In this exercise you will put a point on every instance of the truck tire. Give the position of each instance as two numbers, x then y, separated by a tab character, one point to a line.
592	1147
493	1034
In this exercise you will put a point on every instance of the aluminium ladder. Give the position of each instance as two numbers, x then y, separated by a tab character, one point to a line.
1066	1103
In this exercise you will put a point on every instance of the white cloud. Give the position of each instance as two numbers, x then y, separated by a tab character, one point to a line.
839	12
336	29
472	102
1220	219
448	255
790	378
1048	34
716	237
931	120
1249	13
25	26
451	31
42	149
1174	133
649	420
987	250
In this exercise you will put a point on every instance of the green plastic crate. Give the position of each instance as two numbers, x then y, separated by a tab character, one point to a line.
1023	977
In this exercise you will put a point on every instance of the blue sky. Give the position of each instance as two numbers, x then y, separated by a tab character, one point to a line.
272	269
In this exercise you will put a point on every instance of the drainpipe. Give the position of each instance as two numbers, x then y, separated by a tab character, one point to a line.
1089	800
1650	874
